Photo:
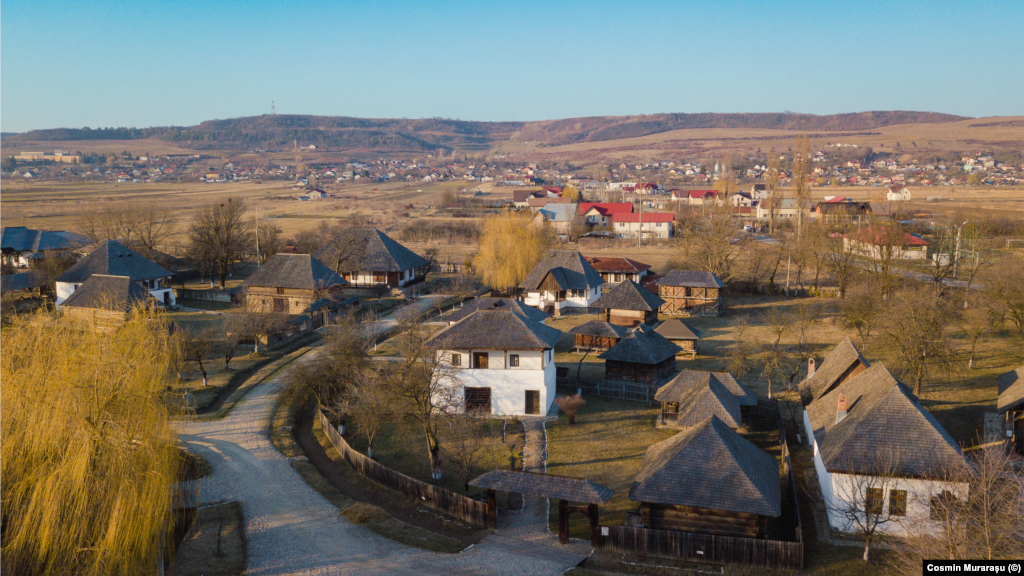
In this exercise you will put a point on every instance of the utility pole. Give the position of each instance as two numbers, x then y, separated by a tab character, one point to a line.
956	252
640	201
257	236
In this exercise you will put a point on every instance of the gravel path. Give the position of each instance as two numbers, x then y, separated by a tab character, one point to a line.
291	529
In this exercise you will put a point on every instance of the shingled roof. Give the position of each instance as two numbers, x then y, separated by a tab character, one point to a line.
676	329
690	278
599	329
568	268
114	259
105	292
700	395
843	357
641	345
495	330
629	295
745	395
617	265
546	485
1011	390
882	415
298	271
488	303
367	250
22	281
710	466
22	239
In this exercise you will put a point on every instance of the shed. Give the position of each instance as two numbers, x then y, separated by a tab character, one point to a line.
690	293
596	335
677	332
693	396
104	302
642	355
628	304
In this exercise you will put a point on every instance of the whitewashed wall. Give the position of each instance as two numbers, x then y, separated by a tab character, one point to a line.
508	384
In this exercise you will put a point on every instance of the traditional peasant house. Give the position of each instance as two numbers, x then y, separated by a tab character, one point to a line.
690	293
502	363
692	397
615	270
23	247
841	364
678	333
367	257
488	303
104	302
642	355
290	284
629	304
111	258
710	480
561	281
596	335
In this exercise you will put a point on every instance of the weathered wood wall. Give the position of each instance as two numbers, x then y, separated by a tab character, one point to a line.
700	547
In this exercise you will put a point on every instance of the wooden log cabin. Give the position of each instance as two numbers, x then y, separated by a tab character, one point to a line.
1011	405
642	355
290	284
693	396
104	302
678	333
629	304
710	480
596	335
689	293
841	364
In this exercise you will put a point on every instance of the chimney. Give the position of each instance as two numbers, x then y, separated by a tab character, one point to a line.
841	408
810	367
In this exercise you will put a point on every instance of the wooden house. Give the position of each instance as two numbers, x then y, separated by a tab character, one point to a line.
290	283
104	302
1011	404
489	303
870	432
678	333
501	363
367	257
562	282
629	304
841	364
710	480
693	396
690	293
112	258
596	335
615	270
641	355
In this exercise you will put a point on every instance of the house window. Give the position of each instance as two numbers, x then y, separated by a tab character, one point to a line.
456	359
941	505
280	290
873	500
897	502
513	360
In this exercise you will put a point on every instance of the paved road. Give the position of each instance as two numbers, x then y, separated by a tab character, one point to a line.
292	529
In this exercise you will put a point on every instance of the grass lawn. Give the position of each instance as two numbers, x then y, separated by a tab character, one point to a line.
395	345
214	545
204	304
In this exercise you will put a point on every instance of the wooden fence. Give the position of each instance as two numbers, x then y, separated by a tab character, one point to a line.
618	389
446	501
701	547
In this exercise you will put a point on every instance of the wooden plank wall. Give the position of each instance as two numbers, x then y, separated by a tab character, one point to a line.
701	547
446	501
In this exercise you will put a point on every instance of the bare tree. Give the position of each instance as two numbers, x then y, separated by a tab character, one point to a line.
939	268
1005	289
197	344
259	324
741	351
232	334
711	243
570	405
861	311
841	261
269	240
466	445
915	332
369	404
142	228
771	189
858	500
220	236
801	181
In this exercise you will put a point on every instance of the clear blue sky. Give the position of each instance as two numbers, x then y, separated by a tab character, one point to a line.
157	62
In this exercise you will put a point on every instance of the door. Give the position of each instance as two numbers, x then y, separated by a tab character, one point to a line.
533	401
167	298
477	400
480	360
280	304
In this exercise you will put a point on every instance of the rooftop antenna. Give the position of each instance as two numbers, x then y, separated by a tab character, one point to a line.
272	112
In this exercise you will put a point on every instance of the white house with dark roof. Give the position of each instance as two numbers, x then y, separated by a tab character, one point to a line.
22	246
112	258
367	257
873	441
503	363
562	279
105	302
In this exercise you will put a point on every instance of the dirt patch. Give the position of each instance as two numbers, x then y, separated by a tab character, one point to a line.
214	545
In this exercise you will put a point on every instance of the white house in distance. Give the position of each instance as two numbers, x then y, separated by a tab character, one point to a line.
884	242
562	279
897	193
113	259
874	442
647	224
502	363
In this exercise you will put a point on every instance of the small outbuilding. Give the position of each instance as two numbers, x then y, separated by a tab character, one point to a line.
693	396
290	283
642	355
104	302
690	293
677	332
710	480
596	335
629	304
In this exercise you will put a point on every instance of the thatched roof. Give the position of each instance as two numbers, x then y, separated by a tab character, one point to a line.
700	395
109	293
676	329
843	357
546	485
489	303
710	466
599	329
568	268
298	271
629	295
690	278
367	250
114	259
641	345
884	421
1011	390
495	330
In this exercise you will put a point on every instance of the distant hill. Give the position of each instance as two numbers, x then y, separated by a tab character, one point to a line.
348	134
6	134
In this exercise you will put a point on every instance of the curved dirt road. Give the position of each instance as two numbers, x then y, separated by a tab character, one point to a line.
291	529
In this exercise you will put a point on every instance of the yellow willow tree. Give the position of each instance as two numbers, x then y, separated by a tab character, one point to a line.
510	247
88	457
